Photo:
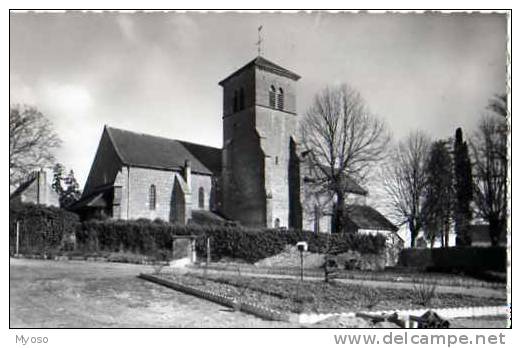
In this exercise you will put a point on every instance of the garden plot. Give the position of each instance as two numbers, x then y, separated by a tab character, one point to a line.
294	296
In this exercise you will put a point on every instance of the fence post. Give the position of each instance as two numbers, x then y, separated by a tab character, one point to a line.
208	258
17	238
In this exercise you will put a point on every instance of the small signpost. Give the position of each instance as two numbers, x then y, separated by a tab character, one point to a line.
302	246
208	258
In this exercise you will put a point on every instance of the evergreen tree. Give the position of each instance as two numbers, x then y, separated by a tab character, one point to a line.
463	187
437	208
72	192
57	180
66	187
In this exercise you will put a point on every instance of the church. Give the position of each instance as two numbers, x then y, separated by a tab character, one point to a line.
257	179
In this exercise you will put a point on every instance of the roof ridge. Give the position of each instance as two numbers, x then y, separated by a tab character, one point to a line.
191	143
160	136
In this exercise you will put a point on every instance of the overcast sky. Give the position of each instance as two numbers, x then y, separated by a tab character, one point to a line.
158	73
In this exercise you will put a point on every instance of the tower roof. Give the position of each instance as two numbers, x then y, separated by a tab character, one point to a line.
265	64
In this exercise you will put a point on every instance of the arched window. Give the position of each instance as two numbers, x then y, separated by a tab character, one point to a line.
277	223
272	96
201	198
152	197
280	99
241	99
235	101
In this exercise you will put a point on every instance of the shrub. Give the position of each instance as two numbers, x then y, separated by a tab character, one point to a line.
456	259
252	245
138	237
43	230
154	238
371	297
423	292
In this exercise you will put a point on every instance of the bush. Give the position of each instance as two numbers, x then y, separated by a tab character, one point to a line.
371	298
424	292
155	238
457	259
43	230
141	237
252	245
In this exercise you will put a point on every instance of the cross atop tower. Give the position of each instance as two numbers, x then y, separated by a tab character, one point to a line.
259	41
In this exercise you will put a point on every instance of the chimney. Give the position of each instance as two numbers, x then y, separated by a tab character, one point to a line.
42	187
187	174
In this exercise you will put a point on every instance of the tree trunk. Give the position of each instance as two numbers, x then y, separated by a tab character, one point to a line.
433	239
494	225
414	233
340	213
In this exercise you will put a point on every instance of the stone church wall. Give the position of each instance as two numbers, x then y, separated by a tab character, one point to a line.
276	128
244	196
137	200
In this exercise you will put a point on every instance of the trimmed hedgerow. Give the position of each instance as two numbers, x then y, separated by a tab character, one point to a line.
456	259
154	238
43	230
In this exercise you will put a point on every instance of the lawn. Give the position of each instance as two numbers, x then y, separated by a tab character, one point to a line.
292	295
79	294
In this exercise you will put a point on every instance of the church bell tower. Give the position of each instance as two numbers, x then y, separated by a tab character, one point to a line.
260	169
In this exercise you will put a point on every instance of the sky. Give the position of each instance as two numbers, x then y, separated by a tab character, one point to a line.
158	73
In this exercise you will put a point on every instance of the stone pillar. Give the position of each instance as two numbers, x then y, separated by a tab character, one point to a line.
187	175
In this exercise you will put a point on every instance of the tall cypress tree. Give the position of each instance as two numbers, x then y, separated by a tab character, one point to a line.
439	194
463	189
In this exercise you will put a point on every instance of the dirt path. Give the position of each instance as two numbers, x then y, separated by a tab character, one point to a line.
473	291
82	294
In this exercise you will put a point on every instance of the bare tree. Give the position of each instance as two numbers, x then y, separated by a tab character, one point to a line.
343	140
31	142
498	104
404	180
490	164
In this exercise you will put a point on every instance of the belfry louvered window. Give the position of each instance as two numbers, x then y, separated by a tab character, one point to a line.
280	99
152	197
272	96
241	99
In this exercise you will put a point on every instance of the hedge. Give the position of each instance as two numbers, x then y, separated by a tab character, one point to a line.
155	239
455	259
42	230
138	236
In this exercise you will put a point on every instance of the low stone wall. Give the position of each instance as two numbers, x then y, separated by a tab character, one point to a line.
247	307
